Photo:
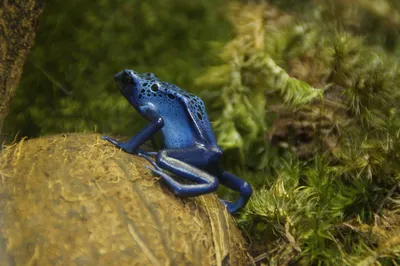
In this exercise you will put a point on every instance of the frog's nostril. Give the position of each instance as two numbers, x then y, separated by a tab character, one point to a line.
127	78
124	76
118	76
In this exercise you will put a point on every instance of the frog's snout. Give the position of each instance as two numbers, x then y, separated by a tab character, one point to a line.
118	76
118	81
123	79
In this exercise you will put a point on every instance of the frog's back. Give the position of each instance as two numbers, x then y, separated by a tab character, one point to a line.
196	110
185	119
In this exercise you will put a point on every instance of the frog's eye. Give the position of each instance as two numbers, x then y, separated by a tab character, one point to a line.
154	87
130	80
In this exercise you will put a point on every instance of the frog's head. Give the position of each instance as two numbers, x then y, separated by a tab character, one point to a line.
137	88
127	83
130	83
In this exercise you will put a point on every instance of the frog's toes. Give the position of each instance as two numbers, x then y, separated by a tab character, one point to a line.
144	154
150	161
158	172
141	152
231	206
125	146
113	141
225	202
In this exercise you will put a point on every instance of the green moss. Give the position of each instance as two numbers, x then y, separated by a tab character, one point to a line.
310	109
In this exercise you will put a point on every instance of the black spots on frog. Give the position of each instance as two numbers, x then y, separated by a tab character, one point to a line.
178	142
154	87
150	88
201	112
186	95
197	107
140	96
149	76
171	96
197	100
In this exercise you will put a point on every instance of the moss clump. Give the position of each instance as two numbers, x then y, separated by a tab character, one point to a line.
75	199
308	107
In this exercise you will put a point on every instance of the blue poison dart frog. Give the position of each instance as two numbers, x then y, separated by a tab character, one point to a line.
190	148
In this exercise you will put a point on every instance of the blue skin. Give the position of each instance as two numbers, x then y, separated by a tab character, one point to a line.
190	148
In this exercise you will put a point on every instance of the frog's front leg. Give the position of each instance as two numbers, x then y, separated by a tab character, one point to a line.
204	182
156	123
131	145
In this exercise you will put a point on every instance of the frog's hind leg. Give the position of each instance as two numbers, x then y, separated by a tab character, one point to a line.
235	183
204	182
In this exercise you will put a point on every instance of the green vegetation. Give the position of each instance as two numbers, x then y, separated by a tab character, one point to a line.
309	105
304	100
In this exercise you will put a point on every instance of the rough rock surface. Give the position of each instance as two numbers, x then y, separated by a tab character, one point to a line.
77	200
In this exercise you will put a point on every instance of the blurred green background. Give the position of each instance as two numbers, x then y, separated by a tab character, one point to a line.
68	85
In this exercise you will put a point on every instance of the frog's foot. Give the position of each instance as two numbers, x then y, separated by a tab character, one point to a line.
235	183
184	190
147	157
159	172
113	141
141	152
122	145
129	147
156	170
232	207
